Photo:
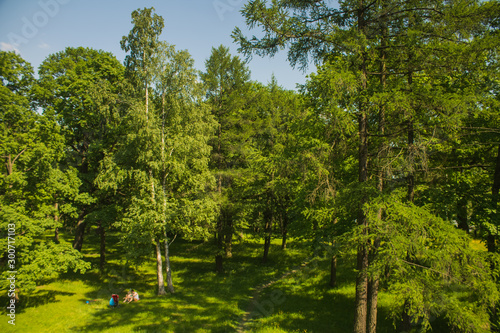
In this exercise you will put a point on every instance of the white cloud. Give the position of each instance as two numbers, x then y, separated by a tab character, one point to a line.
8	47
44	46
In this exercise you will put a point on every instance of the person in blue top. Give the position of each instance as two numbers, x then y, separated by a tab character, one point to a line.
114	300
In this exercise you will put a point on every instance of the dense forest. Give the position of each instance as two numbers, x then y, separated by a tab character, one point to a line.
388	157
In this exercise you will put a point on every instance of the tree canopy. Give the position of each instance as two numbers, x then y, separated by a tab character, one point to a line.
387	159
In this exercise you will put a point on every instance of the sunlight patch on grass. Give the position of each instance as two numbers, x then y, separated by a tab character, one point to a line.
478	245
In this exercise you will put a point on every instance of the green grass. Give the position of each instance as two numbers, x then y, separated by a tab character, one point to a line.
308	304
204	301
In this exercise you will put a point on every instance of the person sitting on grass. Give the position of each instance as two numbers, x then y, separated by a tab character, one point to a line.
132	296
113	302
135	296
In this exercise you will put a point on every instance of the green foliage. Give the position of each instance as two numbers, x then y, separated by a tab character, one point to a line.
390	145
429	264
161	163
142	42
84	89
228	96
205	301
32	183
82	86
407	73
275	156
47	261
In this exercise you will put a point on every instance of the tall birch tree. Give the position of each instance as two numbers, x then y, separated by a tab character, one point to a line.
162	161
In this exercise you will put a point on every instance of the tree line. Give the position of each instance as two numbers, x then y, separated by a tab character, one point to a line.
389	153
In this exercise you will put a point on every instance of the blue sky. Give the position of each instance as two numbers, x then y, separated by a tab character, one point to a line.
37	28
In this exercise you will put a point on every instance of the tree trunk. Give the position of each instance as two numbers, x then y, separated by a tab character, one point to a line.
220	245
159	269
268	219
362	257
170	284
56	222
406	320
373	283
147	102
79	234
218	264
102	259
229	237
9	164
220	225
496	179
411	174
268	232
491	240
333	272
146	84
360	314
284	230
56	235
491	243
267	245
462	214
361	291
373	304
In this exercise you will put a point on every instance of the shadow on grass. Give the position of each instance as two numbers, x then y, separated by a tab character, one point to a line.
118	275
331	314
38	298
203	299
166	314
206	301
304	301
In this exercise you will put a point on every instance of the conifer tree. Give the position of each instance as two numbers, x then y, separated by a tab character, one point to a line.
226	81
273	159
397	75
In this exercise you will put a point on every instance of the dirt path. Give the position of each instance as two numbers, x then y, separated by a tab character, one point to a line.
254	299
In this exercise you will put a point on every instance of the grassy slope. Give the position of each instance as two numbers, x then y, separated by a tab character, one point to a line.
204	301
